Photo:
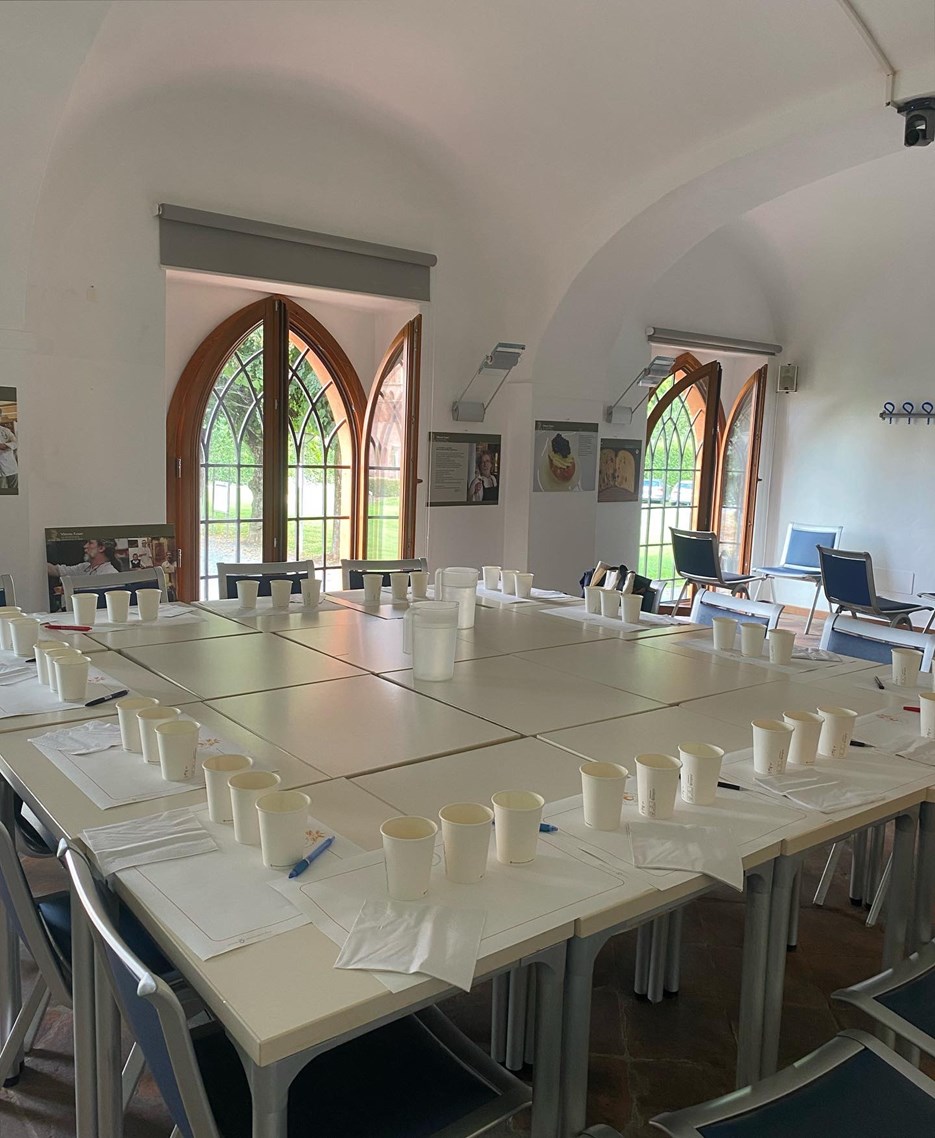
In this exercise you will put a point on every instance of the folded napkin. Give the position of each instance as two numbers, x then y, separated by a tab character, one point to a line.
550	594
85	739
818	792
814	654
672	845
401	936
159	837
16	673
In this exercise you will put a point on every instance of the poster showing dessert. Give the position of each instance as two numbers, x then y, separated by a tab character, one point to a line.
565	457
618	470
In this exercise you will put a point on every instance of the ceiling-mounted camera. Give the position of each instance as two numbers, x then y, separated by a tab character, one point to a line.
920	120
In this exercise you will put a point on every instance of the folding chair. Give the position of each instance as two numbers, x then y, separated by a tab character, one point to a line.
229	573
799	559
153	578
352	572
847	579
698	562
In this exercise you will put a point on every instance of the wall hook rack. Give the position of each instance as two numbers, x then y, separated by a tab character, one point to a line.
908	412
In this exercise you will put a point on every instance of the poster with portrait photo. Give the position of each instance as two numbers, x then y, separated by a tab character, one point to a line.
618	470
464	469
9	441
100	551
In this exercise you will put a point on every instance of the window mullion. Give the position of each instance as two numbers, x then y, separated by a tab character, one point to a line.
275	397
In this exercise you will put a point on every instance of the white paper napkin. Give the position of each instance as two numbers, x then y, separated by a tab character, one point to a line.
16	673
814	654
400	936
819	792
672	845
85	739
160	837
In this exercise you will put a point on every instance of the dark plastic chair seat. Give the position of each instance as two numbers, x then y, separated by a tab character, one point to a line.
792	574
896	606
414	1087
56	912
914	1002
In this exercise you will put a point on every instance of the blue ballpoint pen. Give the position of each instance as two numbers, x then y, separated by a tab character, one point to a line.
302	866
547	828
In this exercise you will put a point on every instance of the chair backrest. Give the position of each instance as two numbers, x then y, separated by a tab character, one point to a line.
108	582
847	577
229	573
695	553
149	1006
17	901
7	592
352	571
870	641
801	548
707	605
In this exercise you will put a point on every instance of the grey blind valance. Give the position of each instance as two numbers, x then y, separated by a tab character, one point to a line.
237	247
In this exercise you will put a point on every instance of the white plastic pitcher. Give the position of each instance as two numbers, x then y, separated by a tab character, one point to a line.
434	640
460	584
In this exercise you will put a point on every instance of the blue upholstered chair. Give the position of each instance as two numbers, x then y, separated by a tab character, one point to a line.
229	573
799	559
853	1085
352	572
152	578
698	562
707	605
415	1077
7	592
847	579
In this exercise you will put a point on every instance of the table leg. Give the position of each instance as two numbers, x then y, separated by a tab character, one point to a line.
109	1082
657	958
925	877
674	954
576	1030
784	872
753	975
499	1003
516	1019
792	939
269	1087
899	897
11	992
547	1066
83	1020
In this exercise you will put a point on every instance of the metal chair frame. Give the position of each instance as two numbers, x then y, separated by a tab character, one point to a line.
799	569
872	603
867	640
6	587
708	604
154	577
704	545
406	565
265	570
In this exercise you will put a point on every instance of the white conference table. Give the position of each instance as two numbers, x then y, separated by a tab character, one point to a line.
264	618
168	631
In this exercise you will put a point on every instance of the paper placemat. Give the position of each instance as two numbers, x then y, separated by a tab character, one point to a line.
579	613
798	665
116	777
32	698
219	901
865	680
520	901
177	613
897	732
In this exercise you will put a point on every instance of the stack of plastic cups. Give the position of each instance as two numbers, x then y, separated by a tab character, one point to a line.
460	584
434	640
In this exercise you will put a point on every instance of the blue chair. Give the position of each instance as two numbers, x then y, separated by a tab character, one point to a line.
7	592
352	576
869	641
698	562
229	573
707	605
851	1086
418	1074
134	579
847	579
799	559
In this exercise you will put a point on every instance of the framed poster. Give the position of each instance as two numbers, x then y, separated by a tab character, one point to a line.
102	550
9	442
464	470
564	457
619	470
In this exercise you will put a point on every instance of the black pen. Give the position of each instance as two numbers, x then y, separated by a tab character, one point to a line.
107	698
857	743
879	683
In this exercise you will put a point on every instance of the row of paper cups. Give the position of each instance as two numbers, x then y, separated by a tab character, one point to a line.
18	632
800	737
280	590
613	603
84	605
400	584
509	581
62	669
160	734
752	635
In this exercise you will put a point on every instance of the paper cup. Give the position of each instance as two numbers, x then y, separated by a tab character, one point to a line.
247	592
283	819
311	592
177	744
524	584
245	787
725	633
491	576
466	830
218	770
52	654
517	814
836	730
373	583
118	605
40	648
24	632
631	606
399	584
771	741
419	580
147	603
701	768
906	665
149	719
751	638
657	783
434	640
409	849
508	581
602	788
281	593
781	643
84	607
129	723
7	613
592	599
610	602
71	677
806	728
927	714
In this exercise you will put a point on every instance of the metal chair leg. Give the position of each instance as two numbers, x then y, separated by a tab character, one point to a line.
828	873
880	896
13	1045
811	611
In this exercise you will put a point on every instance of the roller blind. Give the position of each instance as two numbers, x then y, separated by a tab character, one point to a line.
235	246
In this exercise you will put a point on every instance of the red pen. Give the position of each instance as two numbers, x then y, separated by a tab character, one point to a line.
915	709
68	627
